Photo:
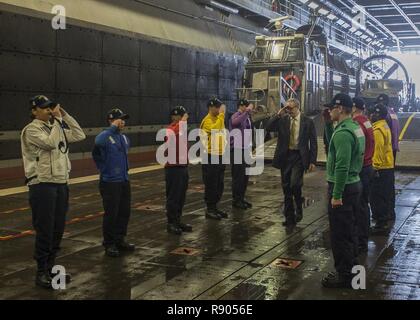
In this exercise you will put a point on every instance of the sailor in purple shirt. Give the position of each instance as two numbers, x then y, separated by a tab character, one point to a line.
394	125
241	145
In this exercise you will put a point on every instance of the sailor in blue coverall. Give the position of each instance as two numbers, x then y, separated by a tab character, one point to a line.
111	157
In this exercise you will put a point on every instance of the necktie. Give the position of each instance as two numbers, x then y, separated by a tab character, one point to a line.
292	134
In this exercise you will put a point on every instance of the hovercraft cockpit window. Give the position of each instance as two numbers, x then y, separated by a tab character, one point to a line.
277	52
259	53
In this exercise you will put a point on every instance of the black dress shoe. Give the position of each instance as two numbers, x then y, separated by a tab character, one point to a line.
212	214
112	251
248	204
222	214
299	217
43	280
289	222
124	246
379	227
335	280
185	227
174	229
239	205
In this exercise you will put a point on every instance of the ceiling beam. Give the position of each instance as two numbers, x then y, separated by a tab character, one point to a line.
409	38
401	11
371	17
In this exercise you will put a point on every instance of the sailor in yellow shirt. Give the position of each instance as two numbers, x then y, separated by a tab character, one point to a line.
214	139
383	163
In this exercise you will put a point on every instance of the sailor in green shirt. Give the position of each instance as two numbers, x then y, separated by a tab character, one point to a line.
344	163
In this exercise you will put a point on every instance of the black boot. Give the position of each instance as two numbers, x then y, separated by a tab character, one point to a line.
212	214
185	227
222	214
174	229
112	251
290	221
43	280
239	205
380	227
299	216
125	246
336	280
248	204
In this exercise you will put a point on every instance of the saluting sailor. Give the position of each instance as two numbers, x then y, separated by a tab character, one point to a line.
46	162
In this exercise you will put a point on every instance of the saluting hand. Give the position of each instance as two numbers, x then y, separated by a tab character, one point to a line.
56	112
250	108
118	123
185	117
63	112
282	111
222	108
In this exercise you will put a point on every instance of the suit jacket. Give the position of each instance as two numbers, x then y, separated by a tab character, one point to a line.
308	146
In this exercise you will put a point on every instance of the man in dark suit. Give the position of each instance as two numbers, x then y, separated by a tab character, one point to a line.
296	152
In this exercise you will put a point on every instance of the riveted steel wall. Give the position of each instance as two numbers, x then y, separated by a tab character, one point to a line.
90	71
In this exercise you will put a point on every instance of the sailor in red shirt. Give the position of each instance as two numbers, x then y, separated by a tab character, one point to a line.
176	170
366	176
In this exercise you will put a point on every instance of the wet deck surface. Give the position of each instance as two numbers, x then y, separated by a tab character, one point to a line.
232	259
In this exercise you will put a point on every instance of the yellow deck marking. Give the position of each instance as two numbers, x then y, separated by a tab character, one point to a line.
406	126
17	190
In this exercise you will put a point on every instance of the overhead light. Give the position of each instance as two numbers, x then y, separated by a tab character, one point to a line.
313	5
352	29
323	11
303	1
340	22
358	33
332	17
364	37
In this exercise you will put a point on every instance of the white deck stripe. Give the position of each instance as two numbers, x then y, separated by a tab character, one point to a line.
17	190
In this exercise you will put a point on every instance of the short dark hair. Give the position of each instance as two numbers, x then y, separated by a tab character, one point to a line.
347	110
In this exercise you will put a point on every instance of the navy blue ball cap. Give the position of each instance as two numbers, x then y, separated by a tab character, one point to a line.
383	98
359	103
178	111
378	109
214	103
341	99
243	102
41	102
116	113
